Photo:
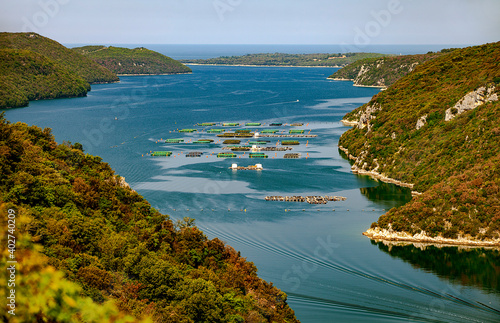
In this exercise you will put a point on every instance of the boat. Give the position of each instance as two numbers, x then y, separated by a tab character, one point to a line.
251	167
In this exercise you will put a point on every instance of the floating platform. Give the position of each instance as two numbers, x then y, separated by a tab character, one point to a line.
203	141
161	153
292	156
252	167
173	141
188	130
269	131
216	130
233	135
230	124
274	148
206	124
275	124
243	131
258	142
257	155
226	155
241	148
297	124
290	142
296	131
253	124
194	154
308	199
231	142
288	136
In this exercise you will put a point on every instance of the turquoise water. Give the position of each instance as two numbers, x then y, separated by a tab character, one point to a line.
315	253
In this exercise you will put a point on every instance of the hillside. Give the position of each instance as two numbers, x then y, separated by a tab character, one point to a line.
76	219
135	61
382	72
280	59
437	131
27	76
66	58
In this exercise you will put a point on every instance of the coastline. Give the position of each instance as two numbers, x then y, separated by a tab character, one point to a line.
153	74
242	65
387	235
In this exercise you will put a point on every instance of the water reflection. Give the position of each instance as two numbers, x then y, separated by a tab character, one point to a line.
468	266
387	195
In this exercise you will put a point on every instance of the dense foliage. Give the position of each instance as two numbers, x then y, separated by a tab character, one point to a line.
133	61
381	72
454	163
27	76
64	57
105	237
281	59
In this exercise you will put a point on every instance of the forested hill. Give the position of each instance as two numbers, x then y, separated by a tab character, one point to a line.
64	57
90	249
382	72
27	76
135	61
281	59
437	128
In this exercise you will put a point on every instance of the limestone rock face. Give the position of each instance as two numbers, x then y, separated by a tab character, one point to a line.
471	101
368	115
421	122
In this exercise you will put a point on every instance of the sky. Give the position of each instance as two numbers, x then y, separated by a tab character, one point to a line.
358	22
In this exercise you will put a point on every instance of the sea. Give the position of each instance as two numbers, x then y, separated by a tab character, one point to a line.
315	253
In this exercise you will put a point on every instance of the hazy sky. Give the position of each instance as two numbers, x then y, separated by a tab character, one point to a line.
256	21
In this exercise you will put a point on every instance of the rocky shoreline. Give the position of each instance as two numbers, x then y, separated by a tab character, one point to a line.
389	235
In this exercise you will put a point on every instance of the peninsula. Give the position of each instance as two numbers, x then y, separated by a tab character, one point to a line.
137	61
436	130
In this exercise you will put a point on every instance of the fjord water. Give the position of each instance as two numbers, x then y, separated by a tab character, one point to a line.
315	253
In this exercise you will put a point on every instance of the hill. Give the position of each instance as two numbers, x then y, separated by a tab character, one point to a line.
382	72
76	219
280	59
27	76
135	61
66	58
436	130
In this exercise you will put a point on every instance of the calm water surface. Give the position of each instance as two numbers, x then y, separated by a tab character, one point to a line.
315	253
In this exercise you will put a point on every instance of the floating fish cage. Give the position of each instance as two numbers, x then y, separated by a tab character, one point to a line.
241	148
298	124
292	156
203	141
258	142
230	124
206	124
243	131
253	124
161	153
233	134
269	131
257	155
290	142
296	131
231	142
173	141
216	130
188	130
275	124
194	154
226	155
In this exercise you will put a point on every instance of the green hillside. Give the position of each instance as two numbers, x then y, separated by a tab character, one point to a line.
281	59
438	129
27	76
75	218
64	57
132	61
382	72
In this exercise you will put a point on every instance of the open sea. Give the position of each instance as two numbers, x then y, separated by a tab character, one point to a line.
314	253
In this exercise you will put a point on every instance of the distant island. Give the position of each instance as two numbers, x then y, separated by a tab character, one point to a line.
137	61
382	72
34	67
281	59
436	130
